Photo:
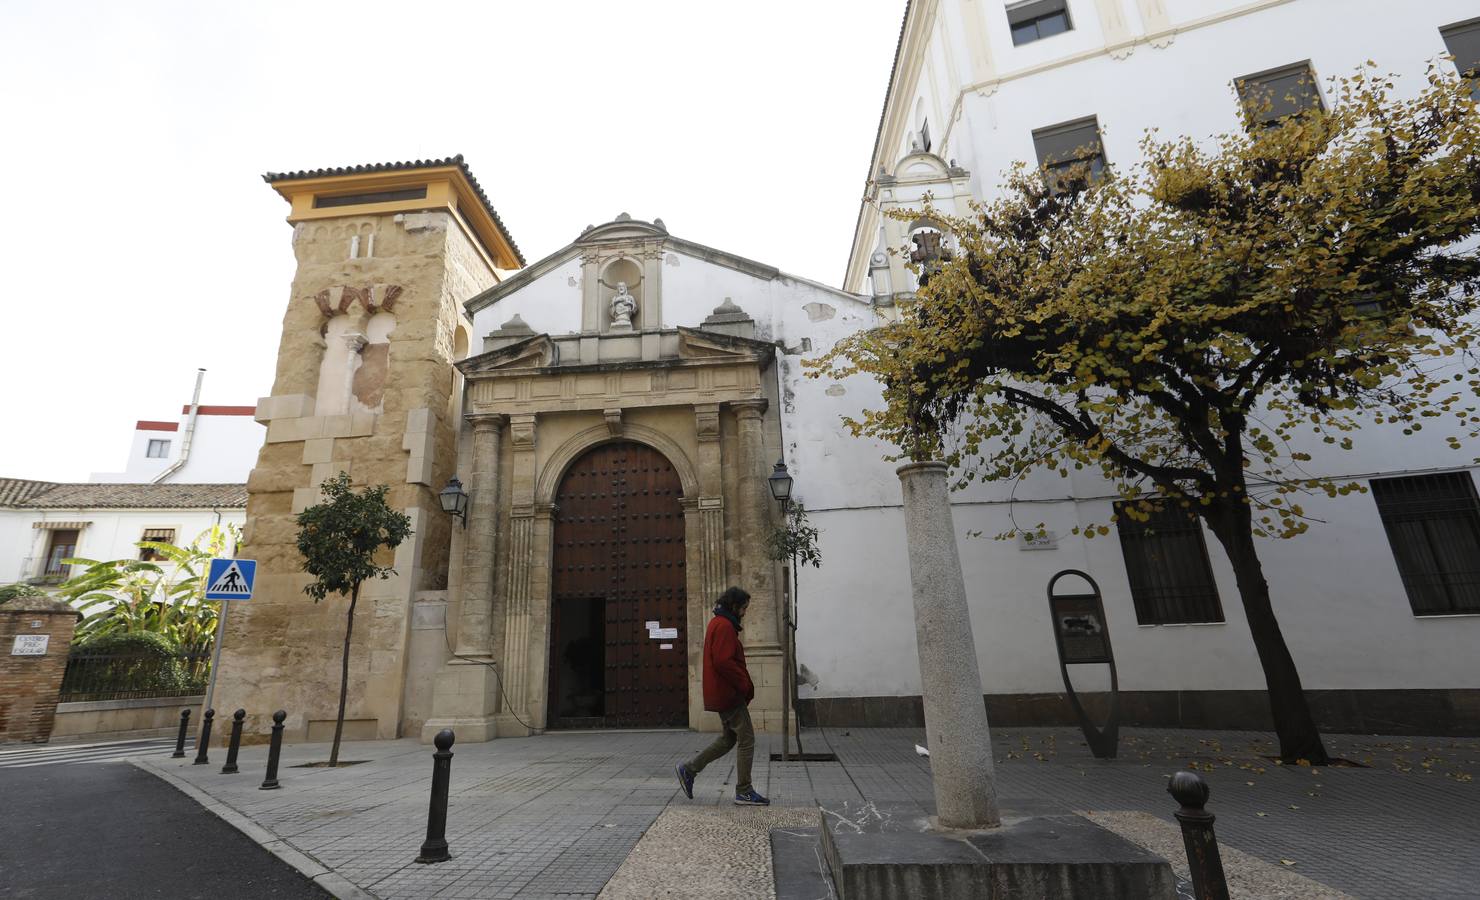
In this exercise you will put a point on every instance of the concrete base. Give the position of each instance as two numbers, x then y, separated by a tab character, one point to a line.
463	699
882	851
508	726
469	730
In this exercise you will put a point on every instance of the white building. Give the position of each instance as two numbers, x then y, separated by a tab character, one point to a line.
206	444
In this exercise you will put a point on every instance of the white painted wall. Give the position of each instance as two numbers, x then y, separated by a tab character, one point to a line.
223	451
112	533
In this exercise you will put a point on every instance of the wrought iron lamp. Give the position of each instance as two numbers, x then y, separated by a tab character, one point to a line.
455	500
780	483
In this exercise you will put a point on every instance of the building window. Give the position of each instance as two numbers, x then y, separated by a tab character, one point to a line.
63	545
157	449
1167	561
158	536
1433	526
1037	19
1269	97
1463	41
1071	154
925	136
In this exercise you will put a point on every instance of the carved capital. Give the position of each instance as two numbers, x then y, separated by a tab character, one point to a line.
749	409
706	421
613	421
521	431
484	423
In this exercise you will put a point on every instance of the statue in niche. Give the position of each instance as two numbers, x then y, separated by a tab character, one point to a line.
624	307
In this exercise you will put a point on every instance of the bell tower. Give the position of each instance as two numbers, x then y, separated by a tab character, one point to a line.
386	256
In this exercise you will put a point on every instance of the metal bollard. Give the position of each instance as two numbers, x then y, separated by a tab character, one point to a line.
274	750
1188	789
236	742
203	741
180	741
434	848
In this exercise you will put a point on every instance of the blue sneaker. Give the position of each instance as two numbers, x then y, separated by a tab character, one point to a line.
750	798
685	780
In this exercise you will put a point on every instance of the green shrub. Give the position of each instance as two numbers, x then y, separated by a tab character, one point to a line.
11	591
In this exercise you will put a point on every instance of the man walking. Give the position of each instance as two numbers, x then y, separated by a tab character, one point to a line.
727	691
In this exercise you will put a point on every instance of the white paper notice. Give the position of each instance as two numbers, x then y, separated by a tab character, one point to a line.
654	626
665	646
663	634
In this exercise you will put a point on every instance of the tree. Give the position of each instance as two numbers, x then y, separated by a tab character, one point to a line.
164	597
795	540
1183	326
339	540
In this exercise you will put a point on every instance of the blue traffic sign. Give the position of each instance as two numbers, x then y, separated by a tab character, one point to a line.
231	579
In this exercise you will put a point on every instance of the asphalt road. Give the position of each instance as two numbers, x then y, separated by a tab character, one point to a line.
109	830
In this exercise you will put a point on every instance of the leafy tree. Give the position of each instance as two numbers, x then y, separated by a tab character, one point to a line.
339	540
164	597
1183	326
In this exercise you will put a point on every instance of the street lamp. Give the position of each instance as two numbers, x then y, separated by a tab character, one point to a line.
455	500
780	482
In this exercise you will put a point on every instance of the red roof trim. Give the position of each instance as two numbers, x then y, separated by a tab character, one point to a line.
223	410
145	425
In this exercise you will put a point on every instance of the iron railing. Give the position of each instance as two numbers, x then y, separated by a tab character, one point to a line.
128	676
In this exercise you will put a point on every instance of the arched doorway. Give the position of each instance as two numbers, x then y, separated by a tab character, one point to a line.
617	630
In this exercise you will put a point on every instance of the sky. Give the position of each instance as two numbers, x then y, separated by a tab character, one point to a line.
140	242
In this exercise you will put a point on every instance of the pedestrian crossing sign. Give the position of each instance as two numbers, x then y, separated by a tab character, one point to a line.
231	579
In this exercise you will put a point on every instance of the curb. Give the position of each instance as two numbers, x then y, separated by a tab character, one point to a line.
315	871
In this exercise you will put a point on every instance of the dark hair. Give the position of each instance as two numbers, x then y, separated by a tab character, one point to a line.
732	599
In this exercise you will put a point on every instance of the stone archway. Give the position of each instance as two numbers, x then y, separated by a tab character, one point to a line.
618	611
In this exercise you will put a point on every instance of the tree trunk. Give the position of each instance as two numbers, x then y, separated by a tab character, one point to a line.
349	627
791	640
1232	525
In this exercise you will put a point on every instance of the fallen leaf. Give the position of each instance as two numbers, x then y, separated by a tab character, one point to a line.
1261	815
1288	862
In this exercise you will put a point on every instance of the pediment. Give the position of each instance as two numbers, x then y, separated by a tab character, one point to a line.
531	353
623	228
697	344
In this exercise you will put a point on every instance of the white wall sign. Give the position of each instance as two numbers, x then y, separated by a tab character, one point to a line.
663	634
30	645
665	646
1037	540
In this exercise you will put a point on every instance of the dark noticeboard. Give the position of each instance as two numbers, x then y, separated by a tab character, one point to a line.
1079	624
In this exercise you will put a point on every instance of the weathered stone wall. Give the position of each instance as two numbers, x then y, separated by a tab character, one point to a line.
283	650
29	685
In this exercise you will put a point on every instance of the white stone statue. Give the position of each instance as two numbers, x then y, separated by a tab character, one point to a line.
624	307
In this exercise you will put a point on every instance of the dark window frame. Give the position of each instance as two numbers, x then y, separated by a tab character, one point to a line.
52	566
1281	106
1433	527
159	536
1469	69
1064	164
1169	585
1026	21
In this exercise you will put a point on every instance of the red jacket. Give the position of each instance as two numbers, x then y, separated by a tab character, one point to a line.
726	680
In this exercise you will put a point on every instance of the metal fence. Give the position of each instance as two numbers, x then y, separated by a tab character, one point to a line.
117	676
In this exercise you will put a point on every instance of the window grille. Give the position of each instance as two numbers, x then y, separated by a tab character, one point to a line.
1167	561
1463	42
1038	19
159	536
63	546
1433	527
1269	97
1071	155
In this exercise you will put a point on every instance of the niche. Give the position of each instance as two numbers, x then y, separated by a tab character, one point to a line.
620	290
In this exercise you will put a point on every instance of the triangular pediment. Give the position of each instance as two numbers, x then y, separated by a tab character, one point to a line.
531	353
697	344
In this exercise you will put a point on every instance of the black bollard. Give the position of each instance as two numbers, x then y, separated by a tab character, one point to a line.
1188	789
274	750
180	741
236	742
434	848
203	740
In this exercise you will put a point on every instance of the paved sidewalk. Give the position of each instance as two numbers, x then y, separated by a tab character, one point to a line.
555	815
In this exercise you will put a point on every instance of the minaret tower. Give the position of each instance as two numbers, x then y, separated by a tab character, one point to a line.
365	385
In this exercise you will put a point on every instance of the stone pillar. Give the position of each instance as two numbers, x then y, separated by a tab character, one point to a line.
474	631
35	640
754	518
955	712
519	664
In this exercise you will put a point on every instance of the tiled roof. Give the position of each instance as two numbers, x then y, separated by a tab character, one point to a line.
457	160
49	495
14	491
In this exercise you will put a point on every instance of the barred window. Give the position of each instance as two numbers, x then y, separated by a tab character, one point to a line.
1433	526
158	536
1167	561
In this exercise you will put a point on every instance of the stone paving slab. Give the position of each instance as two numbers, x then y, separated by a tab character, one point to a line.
556	815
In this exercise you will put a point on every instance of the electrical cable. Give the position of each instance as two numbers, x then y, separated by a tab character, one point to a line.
508	707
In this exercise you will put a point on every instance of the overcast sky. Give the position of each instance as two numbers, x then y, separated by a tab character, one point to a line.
139	241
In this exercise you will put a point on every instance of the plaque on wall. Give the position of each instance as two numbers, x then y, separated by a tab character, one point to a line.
1080	626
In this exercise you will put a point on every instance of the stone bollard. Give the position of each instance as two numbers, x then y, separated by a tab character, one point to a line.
1206	866
236	742
434	848
180	741
274	750
955	711
203	741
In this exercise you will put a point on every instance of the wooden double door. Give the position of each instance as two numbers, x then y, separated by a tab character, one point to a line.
618	619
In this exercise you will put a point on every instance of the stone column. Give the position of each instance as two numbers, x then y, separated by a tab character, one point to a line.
754	517
955	712
517	666
474	631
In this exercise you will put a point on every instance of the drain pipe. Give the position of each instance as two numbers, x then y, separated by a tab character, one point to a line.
200	375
